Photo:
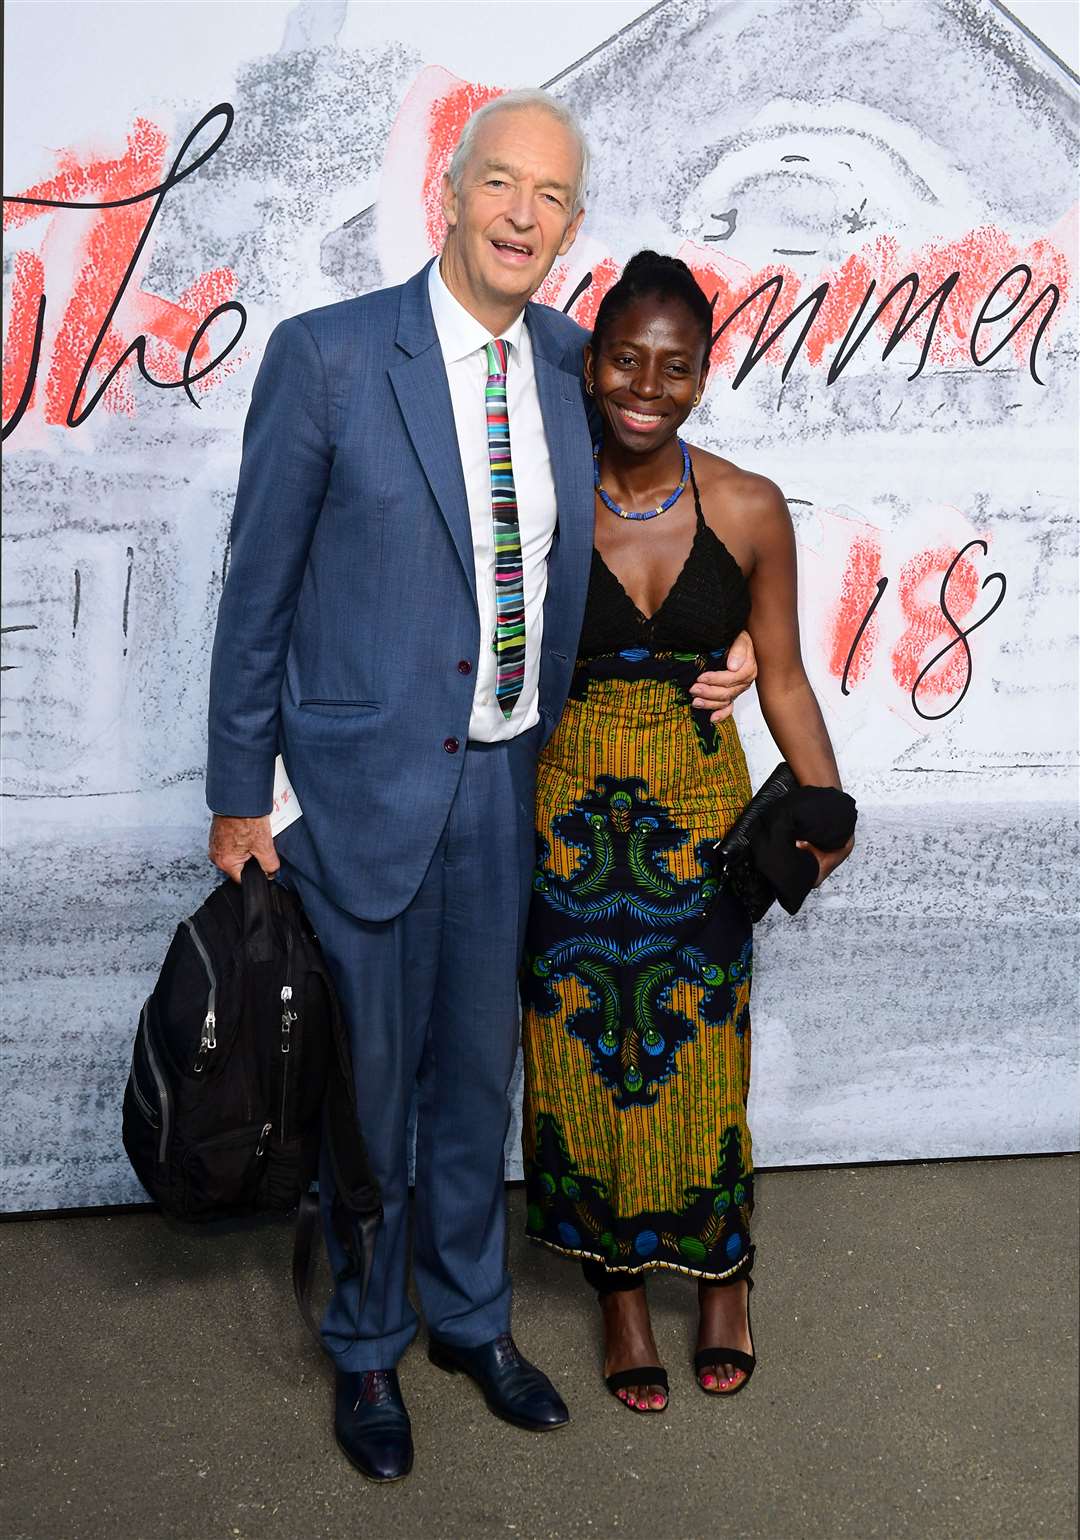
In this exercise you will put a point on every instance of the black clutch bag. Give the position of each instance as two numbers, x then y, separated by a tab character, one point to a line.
737	866
760	857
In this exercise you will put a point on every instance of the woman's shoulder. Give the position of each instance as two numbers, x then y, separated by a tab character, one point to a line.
733	492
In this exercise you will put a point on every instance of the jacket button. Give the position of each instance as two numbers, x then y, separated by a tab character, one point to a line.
451	745
464	667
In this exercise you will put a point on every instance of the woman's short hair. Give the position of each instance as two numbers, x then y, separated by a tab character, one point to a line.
510	101
646	275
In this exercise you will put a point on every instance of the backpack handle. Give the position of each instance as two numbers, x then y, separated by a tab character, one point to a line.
258	931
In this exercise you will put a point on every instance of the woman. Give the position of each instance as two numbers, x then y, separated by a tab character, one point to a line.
637	969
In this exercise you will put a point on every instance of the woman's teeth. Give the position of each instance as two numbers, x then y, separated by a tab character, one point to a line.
641	419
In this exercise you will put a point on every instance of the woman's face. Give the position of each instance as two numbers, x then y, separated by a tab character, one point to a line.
646	372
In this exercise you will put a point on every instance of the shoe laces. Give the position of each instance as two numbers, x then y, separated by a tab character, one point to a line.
375	1389
506	1350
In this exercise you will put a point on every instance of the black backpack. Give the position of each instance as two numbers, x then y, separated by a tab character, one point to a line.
241	1062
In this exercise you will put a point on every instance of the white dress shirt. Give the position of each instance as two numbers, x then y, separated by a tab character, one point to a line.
462	339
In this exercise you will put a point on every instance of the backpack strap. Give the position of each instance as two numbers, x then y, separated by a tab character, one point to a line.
258	924
305	1243
356	1211
355	1233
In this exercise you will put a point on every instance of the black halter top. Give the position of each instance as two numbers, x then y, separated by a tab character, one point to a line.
703	611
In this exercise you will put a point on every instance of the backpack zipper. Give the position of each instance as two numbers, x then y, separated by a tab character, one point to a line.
144	1106
288	1016
163	1095
208	1040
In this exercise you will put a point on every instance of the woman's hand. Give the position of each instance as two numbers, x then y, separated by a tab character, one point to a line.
827	860
715	691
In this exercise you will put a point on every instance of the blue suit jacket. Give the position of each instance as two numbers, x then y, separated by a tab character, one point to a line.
350	598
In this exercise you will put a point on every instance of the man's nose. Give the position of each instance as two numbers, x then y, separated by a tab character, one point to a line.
521	212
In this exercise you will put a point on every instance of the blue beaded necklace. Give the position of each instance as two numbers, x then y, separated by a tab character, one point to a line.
648	513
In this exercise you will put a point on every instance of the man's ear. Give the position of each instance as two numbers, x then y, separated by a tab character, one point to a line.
571	232
449	201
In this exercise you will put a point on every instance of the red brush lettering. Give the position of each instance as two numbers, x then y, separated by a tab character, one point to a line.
851	633
23	341
920	594
604	274
98	303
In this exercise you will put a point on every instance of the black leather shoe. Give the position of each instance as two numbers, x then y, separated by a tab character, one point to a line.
371	1424
513	1388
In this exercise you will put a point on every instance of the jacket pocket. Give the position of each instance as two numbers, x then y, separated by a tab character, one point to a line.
334	707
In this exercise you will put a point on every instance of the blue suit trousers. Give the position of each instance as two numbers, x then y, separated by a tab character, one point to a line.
430	998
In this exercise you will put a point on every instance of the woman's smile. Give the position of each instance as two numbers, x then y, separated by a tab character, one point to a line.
637	420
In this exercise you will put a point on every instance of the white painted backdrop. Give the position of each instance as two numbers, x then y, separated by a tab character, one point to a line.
924	1004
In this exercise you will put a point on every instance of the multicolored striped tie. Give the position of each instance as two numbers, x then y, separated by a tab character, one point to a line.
509	640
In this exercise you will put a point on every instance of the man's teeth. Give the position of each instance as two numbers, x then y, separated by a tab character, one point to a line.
509	246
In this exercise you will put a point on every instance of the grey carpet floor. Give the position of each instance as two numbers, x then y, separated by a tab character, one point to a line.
916	1328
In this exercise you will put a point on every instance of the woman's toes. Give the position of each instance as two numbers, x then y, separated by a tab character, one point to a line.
722	1381
658	1400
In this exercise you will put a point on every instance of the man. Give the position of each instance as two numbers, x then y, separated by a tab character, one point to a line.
400	621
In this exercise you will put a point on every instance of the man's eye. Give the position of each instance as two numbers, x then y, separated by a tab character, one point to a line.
551	198
495	181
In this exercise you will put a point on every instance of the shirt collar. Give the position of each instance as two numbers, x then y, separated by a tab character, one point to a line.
459	332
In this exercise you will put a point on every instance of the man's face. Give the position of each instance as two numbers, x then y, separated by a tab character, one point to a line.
513	214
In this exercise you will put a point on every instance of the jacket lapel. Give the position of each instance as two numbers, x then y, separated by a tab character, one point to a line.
420	385
419	382
558	384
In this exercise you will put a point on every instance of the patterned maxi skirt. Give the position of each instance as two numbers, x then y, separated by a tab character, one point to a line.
636	981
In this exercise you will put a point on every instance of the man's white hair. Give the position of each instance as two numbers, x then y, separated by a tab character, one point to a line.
518	99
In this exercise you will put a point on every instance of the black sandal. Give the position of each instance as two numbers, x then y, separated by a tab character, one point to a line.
648	1374
605	1283
713	1357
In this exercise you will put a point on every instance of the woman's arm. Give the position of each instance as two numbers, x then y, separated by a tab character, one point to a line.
788	702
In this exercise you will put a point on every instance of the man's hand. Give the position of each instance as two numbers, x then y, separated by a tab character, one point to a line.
715	692
234	840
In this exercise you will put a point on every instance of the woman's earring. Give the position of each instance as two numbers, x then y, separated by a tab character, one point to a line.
589	387
697	398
